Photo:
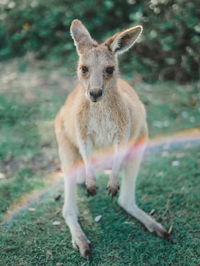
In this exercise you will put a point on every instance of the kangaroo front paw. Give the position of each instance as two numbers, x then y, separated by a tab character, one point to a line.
83	245
112	189
91	191
91	186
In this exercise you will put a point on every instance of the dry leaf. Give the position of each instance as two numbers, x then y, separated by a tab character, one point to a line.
152	211
175	163
170	229
56	223
2	176
31	209
98	218
48	253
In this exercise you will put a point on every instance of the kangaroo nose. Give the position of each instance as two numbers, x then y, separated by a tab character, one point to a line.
95	94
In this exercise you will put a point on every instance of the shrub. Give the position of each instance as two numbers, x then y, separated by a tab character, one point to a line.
169	48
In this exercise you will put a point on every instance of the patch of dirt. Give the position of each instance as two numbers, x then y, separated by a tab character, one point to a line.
23	75
39	163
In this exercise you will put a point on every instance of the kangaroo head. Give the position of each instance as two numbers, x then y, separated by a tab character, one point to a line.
97	67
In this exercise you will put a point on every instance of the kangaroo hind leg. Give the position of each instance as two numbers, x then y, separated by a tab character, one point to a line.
127	195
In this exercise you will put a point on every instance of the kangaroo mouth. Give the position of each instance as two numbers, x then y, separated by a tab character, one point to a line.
95	100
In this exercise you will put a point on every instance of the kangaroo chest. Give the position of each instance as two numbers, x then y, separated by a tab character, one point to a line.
105	127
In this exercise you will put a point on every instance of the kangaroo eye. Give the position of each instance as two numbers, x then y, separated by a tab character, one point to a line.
109	70
84	69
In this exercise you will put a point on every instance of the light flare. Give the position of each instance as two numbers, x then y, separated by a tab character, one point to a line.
101	160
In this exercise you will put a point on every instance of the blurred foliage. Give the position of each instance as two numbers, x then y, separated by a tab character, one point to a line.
169	48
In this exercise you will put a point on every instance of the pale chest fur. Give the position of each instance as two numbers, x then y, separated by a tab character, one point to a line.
105	127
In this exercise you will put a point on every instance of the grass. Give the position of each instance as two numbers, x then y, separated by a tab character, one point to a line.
30	96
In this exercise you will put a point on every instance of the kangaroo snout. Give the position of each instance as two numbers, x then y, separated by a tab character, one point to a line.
95	94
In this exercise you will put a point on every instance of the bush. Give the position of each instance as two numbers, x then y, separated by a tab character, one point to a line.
169	49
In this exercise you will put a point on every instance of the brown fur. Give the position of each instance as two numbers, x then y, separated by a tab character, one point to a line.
116	119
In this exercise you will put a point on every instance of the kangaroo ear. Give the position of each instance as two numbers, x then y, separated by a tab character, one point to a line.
123	41
81	37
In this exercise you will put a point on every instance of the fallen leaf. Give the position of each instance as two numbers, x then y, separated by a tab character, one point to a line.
175	163
56	223
98	218
31	209
2	176
57	212
152	211
126	222
48	253
170	229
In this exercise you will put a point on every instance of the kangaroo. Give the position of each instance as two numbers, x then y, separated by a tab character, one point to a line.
102	111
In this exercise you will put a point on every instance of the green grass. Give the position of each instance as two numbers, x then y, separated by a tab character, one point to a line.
117	238
170	107
28	153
